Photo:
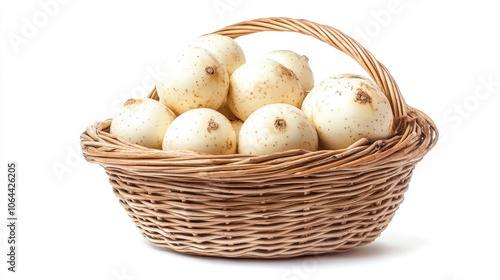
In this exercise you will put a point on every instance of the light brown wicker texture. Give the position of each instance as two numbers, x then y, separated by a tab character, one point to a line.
280	205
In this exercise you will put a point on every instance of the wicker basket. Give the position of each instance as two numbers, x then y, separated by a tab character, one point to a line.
279	205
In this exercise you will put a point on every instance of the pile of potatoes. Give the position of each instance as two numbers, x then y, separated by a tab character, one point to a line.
212	100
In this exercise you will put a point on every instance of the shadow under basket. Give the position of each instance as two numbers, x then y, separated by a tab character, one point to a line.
280	205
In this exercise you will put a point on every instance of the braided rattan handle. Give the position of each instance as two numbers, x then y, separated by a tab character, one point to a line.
333	37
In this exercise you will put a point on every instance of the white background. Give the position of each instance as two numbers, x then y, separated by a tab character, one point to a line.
68	64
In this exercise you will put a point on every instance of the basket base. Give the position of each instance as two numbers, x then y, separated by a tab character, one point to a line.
316	242
273	252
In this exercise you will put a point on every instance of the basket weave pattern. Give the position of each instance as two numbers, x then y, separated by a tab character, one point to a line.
280	205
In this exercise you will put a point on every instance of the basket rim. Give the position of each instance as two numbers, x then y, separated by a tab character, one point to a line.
100	146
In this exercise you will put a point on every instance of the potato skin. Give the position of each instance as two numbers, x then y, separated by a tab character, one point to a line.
201	130
276	128
142	121
260	82
225	48
194	78
345	108
299	64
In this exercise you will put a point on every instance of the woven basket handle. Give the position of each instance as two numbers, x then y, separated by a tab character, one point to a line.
333	37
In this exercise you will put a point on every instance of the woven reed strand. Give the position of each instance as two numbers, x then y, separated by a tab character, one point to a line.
280	205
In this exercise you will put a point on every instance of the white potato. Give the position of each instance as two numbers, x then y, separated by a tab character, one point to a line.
261	82
142	121
275	128
194	78
202	130
299	64
225	48
224	109
346	108
237	124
